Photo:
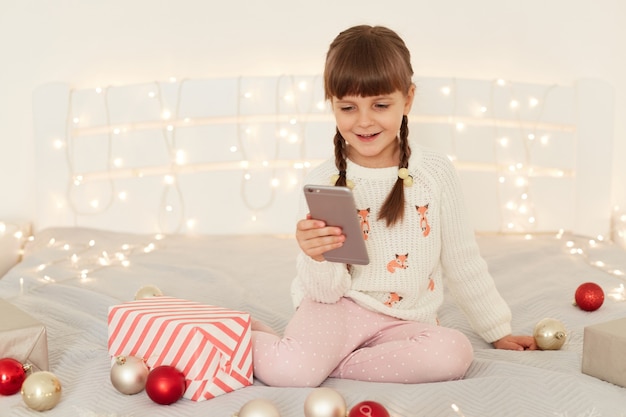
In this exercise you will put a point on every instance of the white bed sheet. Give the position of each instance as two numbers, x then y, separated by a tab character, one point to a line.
537	277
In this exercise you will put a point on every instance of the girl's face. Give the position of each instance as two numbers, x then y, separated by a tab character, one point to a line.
370	126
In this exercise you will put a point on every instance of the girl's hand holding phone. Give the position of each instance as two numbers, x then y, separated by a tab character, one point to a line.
315	238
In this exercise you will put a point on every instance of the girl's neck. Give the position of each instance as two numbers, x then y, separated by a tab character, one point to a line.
379	161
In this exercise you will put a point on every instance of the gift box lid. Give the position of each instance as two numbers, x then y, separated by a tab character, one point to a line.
23	338
616	328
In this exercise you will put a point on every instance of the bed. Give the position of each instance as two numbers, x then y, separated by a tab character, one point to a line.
192	186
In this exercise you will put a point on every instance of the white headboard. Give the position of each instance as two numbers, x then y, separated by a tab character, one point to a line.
228	155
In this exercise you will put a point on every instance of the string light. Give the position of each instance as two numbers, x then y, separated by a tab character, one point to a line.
262	154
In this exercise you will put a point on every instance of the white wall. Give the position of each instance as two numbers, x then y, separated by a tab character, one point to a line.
90	43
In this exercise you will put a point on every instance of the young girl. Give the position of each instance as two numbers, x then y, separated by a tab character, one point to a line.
378	322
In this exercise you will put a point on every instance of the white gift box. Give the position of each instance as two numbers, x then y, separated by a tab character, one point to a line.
22	337
604	345
210	345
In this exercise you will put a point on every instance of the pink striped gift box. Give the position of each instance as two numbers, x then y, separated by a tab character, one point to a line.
210	345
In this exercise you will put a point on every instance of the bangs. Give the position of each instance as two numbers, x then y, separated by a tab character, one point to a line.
367	68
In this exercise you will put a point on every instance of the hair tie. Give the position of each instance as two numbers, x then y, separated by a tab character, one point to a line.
335	177
407	179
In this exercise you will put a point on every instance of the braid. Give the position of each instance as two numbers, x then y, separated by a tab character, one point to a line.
340	158
392	209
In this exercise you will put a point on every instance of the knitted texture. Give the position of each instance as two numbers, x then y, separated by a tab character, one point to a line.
412	260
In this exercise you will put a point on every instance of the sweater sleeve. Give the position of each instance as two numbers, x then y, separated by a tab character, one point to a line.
465	270
324	282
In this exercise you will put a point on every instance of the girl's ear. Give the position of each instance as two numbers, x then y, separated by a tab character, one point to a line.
409	99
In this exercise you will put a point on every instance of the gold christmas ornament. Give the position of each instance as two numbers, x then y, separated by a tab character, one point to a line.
41	391
550	334
324	402
148	291
129	374
258	408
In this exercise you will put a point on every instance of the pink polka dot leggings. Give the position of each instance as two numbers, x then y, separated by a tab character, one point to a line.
344	340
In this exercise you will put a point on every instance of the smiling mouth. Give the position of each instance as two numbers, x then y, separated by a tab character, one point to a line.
368	136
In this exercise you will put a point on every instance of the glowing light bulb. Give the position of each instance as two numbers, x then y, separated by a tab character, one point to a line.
275	182
58	144
514	104
181	157
532	102
247	94
94	203
302	85
122	195
504	142
98	90
166	114
321	105
169	179
169	208
446	90
460	126
233	148
117	162
501	82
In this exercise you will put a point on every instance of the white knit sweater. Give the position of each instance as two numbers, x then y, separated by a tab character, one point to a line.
411	261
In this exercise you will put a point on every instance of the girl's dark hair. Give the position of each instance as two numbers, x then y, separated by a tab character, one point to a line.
370	61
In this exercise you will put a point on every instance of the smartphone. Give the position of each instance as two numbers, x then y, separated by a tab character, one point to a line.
335	205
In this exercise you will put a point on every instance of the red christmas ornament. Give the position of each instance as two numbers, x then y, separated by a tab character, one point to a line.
165	385
589	296
368	409
12	375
